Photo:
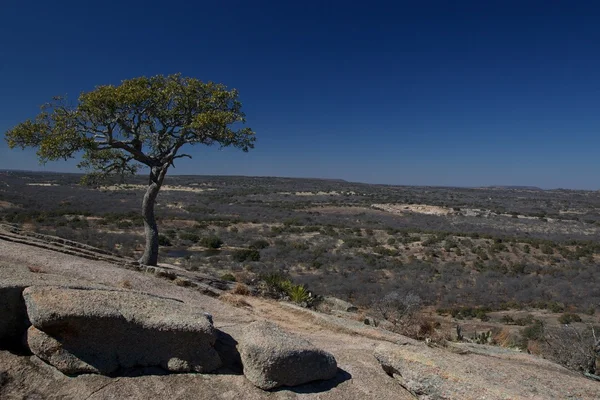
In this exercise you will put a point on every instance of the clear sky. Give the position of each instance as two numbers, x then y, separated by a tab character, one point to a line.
457	93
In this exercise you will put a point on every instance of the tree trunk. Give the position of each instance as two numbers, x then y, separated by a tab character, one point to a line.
150	256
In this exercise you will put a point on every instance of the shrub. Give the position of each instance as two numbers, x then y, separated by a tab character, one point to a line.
259	244
534	331
124	224
556	307
525	320
228	277
482	315
574	348
298	294
396	307
212	242
164	241
567	318
246	254
192	237
241	289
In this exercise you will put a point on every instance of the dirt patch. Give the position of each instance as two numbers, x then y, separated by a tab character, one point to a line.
413	208
6	204
163	188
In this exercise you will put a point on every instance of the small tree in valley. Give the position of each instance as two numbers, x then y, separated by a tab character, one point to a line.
143	122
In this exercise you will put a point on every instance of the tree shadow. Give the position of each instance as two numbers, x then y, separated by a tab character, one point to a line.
318	386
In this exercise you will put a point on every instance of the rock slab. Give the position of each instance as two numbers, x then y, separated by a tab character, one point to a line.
13	313
101	331
331	303
473	372
272	357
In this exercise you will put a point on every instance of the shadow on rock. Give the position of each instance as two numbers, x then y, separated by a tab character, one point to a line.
226	347
318	386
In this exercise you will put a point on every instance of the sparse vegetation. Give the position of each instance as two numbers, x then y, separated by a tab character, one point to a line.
523	274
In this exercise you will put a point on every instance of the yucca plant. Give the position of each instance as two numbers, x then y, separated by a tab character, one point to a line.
298	294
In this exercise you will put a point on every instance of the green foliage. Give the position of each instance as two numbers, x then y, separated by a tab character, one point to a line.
568	318
192	237
482	338
534	331
212	242
164	240
274	280
298	294
525	320
124	224
556	307
228	277
280	284
466	312
547	249
142	121
246	255
259	244
353	242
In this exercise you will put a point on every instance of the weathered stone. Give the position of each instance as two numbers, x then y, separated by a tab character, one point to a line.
52	351
13	314
330	303
273	358
109	330
398	366
472	371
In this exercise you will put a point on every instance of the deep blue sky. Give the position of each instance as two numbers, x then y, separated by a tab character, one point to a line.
417	92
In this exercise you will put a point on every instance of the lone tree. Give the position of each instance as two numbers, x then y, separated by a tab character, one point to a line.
141	122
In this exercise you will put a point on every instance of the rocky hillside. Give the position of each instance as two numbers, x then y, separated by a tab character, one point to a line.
77	324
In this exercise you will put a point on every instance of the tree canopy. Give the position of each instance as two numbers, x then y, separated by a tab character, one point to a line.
141	122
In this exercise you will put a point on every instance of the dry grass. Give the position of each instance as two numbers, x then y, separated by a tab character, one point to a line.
506	337
234	300
534	348
244	277
125	284
183	282
241	289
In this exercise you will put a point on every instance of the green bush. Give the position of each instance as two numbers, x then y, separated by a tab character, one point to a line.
124	224
212	242
556	307
281	285
567	318
192	237
259	244
228	277
246	255
526	320
534	331
164	241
